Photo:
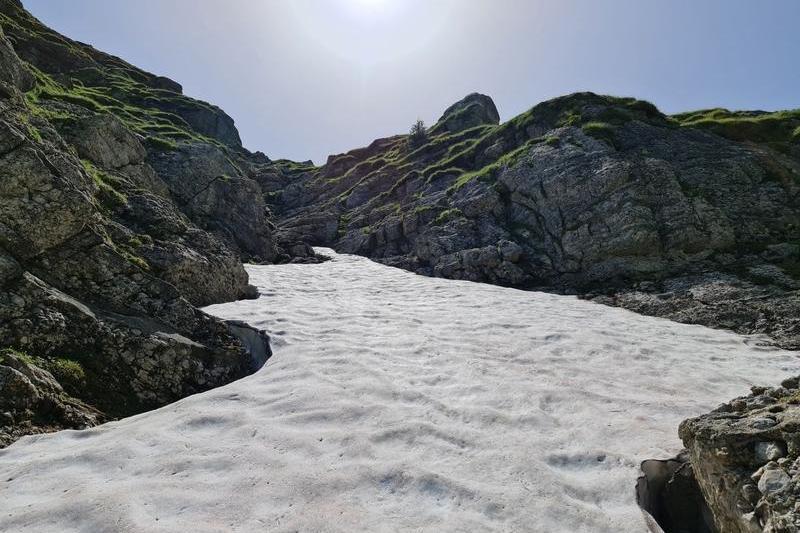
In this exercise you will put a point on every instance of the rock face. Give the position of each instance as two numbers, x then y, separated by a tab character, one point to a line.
746	458
31	400
472	111
123	205
595	195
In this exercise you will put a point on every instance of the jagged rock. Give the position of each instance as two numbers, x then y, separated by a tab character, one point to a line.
44	197
132	362
103	257
744	455
212	191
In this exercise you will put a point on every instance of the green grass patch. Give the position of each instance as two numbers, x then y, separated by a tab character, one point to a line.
488	173
107	194
753	126
447	215
552	140
68	372
602	131
161	144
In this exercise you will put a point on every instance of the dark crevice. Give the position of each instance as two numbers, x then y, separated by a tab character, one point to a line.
668	494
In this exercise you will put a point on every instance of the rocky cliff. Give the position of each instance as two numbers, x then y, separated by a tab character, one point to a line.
693	217
123	205
746	459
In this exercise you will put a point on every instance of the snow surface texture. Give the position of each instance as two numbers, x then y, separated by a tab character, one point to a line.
396	402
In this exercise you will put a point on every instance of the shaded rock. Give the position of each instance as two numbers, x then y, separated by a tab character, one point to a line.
668	494
102	257
212	191
45	198
32	401
12	70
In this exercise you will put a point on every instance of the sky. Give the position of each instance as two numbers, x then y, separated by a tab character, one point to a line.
307	78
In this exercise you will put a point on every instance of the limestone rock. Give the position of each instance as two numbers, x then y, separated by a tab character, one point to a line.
728	449
212	191
473	110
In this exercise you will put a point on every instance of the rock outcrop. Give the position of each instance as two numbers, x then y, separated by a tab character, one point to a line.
472	111
746	459
593	195
32	400
123	205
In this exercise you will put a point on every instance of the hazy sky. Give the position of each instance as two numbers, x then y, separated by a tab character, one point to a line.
308	78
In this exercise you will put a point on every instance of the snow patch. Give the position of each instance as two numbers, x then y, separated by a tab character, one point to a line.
396	402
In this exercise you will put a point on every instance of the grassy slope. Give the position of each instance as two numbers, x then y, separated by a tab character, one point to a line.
754	126
73	74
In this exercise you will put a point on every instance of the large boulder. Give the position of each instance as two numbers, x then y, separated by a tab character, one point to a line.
45	198
469	112
746	458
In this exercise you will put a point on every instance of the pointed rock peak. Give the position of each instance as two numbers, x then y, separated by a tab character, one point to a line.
473	110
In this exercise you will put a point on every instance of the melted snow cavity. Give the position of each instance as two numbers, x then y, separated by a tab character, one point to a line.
396	402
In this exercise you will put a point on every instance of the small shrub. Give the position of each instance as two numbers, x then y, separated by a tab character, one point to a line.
136	260
68	372
418	135
10	352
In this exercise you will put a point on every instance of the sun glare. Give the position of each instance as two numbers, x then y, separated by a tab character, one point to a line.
372	32
371	8
369	4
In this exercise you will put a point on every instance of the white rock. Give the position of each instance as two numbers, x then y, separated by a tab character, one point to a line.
773	481
769	451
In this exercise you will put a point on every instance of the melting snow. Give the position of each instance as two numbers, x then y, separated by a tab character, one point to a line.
396	402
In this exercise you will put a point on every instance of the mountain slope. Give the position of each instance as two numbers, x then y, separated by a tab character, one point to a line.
585	193
123	204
